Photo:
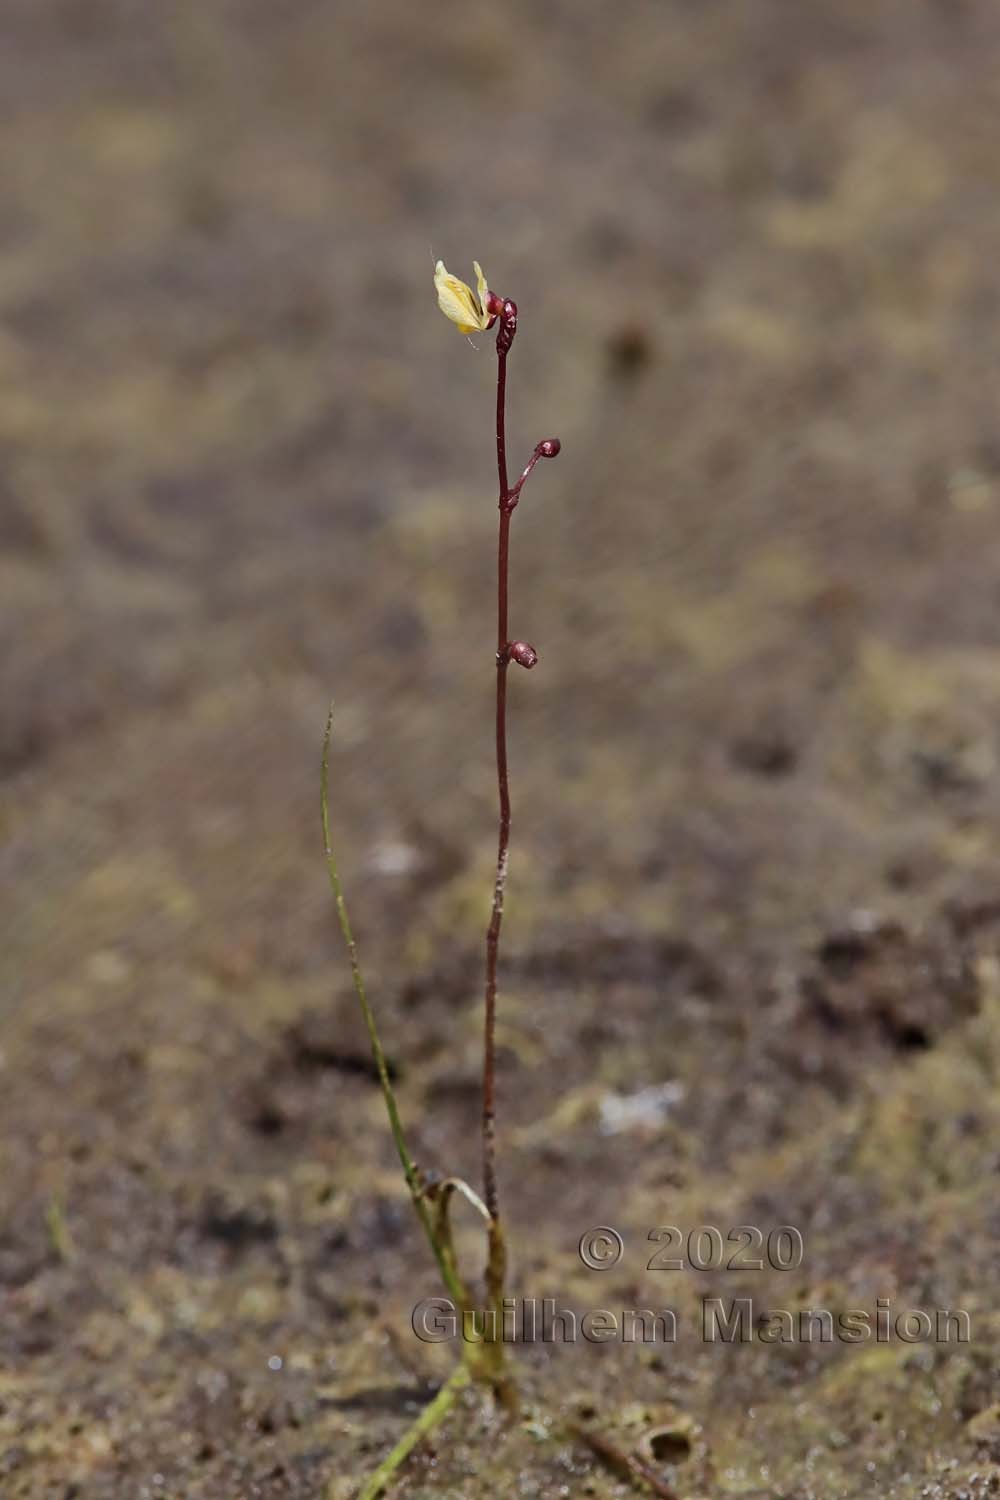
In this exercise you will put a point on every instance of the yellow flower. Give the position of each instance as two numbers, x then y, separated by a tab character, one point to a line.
458	301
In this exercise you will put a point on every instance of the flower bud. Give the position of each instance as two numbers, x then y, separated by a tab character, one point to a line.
508	325
522	653
549	448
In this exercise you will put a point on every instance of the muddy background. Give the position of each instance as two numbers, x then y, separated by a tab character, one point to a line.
752	971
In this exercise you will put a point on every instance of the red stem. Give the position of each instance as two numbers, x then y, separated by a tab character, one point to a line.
503	840
520	651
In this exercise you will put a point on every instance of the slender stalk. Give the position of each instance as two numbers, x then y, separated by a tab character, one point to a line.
490	1193
441	1252
526	656
433	1413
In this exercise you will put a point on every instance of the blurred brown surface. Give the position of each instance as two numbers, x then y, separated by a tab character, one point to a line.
246	466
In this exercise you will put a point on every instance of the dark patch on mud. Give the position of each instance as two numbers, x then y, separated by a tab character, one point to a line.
884	985
236	1226
313	1046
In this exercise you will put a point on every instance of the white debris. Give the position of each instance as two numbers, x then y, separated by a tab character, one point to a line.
395	858
649	1107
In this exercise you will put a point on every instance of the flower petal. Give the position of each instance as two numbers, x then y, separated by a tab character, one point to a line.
482	290
456	301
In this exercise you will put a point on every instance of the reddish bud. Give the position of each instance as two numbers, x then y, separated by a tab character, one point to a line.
508	325
549	448
522	653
